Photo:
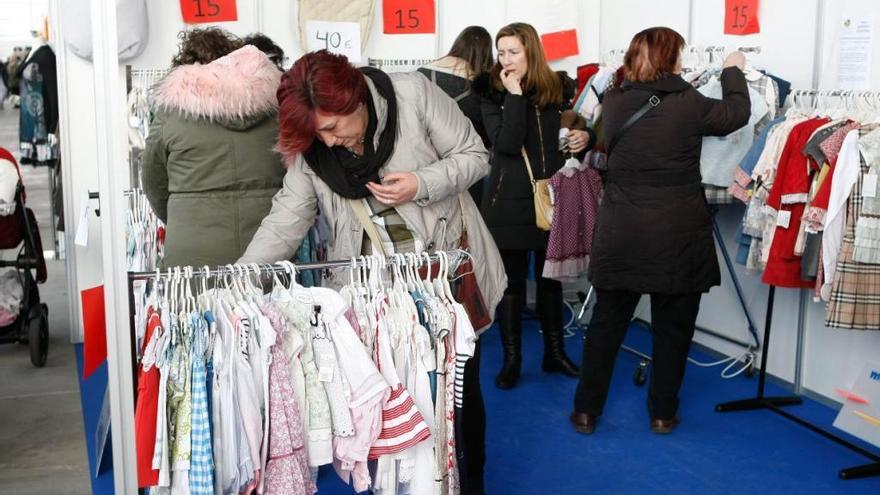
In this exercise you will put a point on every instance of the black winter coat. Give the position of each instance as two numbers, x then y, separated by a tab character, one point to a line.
654	231
514	121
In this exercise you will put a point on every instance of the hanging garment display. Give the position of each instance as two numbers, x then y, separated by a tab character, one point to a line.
38	110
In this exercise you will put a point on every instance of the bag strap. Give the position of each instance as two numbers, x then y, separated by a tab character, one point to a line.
652	102
528	165
360	211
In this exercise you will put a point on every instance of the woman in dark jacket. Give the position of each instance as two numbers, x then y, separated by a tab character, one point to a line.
654	232
521	104
471	54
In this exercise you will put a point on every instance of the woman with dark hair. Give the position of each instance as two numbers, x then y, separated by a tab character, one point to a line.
209	170
522	101
267	46
471	54
386	158
654	231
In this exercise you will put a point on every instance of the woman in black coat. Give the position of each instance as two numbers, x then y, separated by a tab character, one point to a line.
654	231
522	99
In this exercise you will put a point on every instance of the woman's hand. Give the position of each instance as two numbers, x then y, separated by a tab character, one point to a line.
511	82
735	59
396	188
578	140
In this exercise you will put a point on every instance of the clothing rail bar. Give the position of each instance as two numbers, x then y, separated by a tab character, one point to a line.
358	262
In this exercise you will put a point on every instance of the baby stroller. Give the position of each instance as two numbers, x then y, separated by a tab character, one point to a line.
23	318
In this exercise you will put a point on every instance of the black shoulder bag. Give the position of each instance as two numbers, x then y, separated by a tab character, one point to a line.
652	102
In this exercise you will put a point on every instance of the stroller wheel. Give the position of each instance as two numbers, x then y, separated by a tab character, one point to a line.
38	337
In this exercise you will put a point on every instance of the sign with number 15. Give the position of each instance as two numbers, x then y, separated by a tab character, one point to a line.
201	11
408	16
741	17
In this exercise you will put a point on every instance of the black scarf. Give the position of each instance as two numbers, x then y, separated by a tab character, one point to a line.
350	181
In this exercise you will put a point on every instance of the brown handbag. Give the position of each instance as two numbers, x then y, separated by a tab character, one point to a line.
541	191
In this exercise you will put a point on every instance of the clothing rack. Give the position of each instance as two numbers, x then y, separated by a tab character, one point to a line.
775	405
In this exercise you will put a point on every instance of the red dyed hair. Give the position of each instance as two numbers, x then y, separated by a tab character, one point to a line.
318	81
653	53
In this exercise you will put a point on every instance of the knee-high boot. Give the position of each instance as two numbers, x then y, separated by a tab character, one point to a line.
555	360
510	324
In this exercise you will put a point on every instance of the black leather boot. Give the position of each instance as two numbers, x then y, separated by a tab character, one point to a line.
510	324
555	360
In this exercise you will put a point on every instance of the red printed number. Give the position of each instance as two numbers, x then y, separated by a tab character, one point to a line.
200	11
741	17
408	16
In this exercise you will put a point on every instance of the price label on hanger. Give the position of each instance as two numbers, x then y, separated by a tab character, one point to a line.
869	186
343	38
408	17
741	17
202	11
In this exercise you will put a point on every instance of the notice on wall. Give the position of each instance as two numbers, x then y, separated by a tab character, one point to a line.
408	17
855	51
560	44
201	11
741	17
343	38
860	414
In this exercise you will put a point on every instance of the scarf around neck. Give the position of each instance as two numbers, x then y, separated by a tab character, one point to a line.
350	181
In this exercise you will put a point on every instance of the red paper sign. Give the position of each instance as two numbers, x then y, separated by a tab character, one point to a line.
560	44
408	16
741	17
201	11
94	329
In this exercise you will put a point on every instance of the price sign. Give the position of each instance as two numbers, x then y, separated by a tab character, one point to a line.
560	44
741	17
343	38
201	11
408	16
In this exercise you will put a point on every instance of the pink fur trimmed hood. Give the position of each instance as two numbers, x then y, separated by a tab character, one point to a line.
240	85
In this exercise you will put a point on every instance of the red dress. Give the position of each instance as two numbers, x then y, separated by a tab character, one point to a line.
790	194
146	410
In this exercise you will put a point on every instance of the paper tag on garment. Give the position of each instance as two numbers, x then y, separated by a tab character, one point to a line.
783	218
325	374
869	186
82	226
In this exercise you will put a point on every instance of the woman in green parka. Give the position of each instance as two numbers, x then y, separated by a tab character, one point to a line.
209	169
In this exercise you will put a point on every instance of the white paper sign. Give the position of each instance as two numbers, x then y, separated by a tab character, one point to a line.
860	414
82	226
343	38
855	43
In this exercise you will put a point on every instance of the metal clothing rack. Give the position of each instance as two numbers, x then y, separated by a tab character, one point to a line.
775	405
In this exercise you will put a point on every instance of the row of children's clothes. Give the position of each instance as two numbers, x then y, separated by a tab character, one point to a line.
720	155
144	234
813	215
241	392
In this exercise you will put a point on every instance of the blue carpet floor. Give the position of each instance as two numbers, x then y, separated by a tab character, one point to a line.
531	449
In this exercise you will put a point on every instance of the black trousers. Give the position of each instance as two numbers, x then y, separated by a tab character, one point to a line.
470	429
516	264
672	317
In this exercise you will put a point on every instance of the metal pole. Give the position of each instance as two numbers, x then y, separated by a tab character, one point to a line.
765	349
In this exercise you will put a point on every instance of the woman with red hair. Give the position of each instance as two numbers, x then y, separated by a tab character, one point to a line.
386	158
654	232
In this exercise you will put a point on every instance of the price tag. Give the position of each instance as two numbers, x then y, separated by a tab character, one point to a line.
201	11
408	17
82	227
783	218
741	17
343	38
325	373
869	186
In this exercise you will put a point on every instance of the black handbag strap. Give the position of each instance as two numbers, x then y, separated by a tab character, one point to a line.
652	102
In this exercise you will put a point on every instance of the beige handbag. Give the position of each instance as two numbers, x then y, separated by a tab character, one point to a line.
541	191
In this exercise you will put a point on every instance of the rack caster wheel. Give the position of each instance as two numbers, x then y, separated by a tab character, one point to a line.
641	374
